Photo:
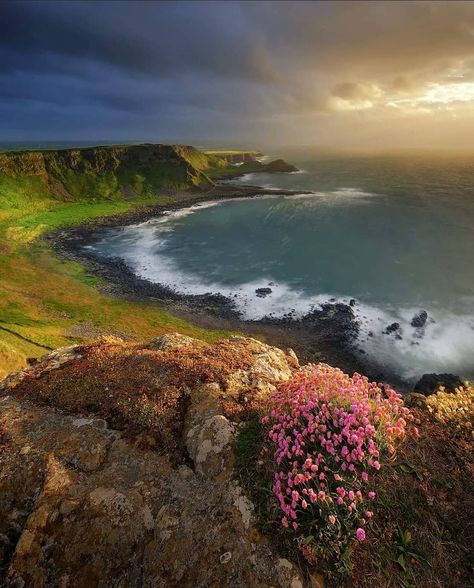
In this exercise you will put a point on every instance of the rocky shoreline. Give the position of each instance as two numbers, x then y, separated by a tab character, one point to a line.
327	333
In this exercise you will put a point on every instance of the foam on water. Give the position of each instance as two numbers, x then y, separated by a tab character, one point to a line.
444	344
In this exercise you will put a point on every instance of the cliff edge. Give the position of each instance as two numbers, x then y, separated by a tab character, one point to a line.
96	172
117	464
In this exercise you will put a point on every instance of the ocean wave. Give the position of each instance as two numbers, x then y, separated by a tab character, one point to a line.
341	196
444	344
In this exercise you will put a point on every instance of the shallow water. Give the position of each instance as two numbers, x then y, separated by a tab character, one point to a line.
396	234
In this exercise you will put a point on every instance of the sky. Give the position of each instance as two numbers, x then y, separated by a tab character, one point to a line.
337	74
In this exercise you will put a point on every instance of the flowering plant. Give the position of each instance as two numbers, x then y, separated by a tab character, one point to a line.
331	433
456	409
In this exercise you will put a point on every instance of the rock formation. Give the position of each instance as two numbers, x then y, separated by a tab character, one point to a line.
429	383
84	504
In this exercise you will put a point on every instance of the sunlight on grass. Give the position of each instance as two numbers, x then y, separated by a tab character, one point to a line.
44	300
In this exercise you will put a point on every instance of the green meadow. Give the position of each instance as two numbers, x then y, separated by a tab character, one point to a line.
47	302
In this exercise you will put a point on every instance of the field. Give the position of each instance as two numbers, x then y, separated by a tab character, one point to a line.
46	302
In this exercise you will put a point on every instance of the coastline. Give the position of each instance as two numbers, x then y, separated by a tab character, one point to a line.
327	334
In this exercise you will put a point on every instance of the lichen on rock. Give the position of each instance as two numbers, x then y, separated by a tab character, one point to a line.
84	504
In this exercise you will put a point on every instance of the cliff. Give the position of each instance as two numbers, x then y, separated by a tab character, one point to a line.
235	157
109	172
124	171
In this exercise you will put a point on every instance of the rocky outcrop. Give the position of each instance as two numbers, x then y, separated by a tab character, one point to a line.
263	292
430	383
85	505
419	320
394	329
279	165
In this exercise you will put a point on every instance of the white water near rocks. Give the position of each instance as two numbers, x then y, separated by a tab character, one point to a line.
395	235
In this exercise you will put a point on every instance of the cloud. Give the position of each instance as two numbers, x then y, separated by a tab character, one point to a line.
146	70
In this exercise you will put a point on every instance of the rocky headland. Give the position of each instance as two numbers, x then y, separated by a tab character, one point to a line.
117	467
127	464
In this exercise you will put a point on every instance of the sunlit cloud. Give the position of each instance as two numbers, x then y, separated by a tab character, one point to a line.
447	93
448	97
293	72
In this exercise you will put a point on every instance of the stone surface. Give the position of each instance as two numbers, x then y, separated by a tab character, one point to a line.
82	505
419	320
429	383
263	292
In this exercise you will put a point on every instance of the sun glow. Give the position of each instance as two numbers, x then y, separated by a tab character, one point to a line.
437	96
447	93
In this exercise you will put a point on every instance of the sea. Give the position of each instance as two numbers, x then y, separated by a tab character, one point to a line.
391	234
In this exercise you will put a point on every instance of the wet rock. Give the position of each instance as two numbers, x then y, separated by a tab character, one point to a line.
352	302
429	383
419	320
392	328
263	292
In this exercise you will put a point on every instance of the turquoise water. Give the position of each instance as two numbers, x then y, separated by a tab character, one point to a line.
396	234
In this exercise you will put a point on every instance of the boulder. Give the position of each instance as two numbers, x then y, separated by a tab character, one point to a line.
429	383
394	329
419	320
263	292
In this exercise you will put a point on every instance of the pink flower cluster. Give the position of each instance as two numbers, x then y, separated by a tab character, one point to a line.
331	432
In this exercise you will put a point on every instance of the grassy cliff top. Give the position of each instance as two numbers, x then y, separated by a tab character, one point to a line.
46	302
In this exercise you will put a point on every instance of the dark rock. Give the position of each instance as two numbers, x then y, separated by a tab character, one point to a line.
419	320
393	328
262	292
279	165
5	548
429	383
352	302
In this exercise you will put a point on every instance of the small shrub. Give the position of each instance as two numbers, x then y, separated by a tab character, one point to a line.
455	409
330	434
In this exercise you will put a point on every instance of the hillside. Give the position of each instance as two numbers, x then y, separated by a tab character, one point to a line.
149	464
107	172
46	302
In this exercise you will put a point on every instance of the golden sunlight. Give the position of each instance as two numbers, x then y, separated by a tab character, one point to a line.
447	93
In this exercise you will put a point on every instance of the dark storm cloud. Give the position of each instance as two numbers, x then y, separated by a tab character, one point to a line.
150	70
148	38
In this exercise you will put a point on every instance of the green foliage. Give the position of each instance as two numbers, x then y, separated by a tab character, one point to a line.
44	301
405	555
257	482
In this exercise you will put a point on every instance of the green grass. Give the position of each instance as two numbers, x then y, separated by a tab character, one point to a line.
257	484
43	299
